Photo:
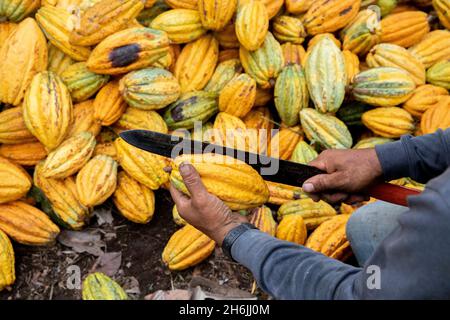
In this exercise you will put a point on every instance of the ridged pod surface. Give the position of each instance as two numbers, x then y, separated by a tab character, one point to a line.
14	181
291	94
98	286
389	122
326	76
303	153
47	109
6	28
27	225
81	82
103	19
369	143
177	218
228	54
233	181
57	24
227	37
325	130
330	238
264	64
330	15
25	154
292	228
272	6
191	107
391	55
196	63
134	118
224	73
181	25
288	29
7	262
17	10
362	33
383	86
106	148
238	96
283	143
69	157
186	248
256	121
128	50
83	120
298	6
147	15
12	127
404	28
109	105
437	117
230	131
135	201
58	61
252	24
215	14
423	98
282	193
262	218
97	180
183	4
317	38
21	62
351	65
145	167
313	213
442	8
149	89
434	47
439	74
293	53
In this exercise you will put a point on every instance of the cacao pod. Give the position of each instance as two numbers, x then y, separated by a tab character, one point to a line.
252	24
282	193
109	105
289	29
384	86
389	122
135	201
442	8
283	143
230	131
424	97
292	228
351	65
351	113
227	37
134	118
228	54
215	14
47	109
317	38
238	96
58	61
262	218
369	143
263	97
327	91
272	6
303	153
83	120
187	247
128	50
293	53
6	28
436	117
106	148
12	127
259	127
182	4
14	181
298	6
27	225
326	130
98	286
149	89
439	74
435	46
177	218
17	10
25	154
223	74
404	28
7	262
147	15
145	167
241	187
23	54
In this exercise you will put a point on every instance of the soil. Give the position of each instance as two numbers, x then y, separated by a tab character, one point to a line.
43	272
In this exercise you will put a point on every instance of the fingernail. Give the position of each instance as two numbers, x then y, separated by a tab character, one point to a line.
185	168
167	169
308	187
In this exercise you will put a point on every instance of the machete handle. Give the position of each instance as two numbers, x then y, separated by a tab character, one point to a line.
391	193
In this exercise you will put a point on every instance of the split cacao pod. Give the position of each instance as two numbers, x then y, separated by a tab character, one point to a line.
25	154
327	131
292	228
135	201
177	218
186	248
283	143
293	53
215	14
369	143
423	98
435	46
83	119
404	28
389	122
14	181
182	4
282	193
262	218
98	286
17	10
26	224
109	105
227	37
12	127
303	153
7	262
134	118
241	187
439	74
436	117
224	73
58	61
298	6
252	24
442	8
230	131
351	65
238	96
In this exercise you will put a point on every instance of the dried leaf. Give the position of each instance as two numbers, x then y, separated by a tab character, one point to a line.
82	241
104	216
108	263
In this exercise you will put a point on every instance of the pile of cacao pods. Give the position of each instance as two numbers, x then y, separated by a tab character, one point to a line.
326	73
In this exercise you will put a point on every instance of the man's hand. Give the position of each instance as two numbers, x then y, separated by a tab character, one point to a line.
349	172
203	210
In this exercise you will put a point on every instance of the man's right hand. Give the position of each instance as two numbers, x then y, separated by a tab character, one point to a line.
348	173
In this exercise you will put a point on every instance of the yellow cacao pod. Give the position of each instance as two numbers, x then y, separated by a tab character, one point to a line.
289	29
14	181
6	28
145	167
423	98
57	24
106	148
17	10
259	125
147	15
330	15
196	63
282	144
298	6
303	153
83	119
317	38
282	193
292	228
313	213
241	187
369	143
98	286
135	201
103	19
238	96
263	97
389	122
293	53
330	238
439	74
177	218
215	14
109	105
272	6
405	28
25	154
262	218
224	73
7	262
442	8
436	117
128	50
27	225
58	61
47	109
12	127
97	180
181	25
252	24
351	65
134	118
23	54
182	4
230	131
265	63
435	46
186	248
227	37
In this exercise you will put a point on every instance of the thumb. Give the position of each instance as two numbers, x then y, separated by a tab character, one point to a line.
323	182
191	179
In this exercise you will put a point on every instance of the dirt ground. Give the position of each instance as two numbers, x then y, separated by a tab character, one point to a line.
45	272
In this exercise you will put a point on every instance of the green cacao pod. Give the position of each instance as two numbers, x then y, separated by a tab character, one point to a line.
7	262
439	74
58	61
98	286
352	112
303	153
224	73
389	122
17	10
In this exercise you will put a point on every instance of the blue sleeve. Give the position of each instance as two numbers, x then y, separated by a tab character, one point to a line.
421	158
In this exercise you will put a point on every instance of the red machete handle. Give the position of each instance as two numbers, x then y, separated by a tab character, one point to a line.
391	193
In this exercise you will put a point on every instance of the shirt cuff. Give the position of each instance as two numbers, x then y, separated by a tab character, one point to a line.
393	159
